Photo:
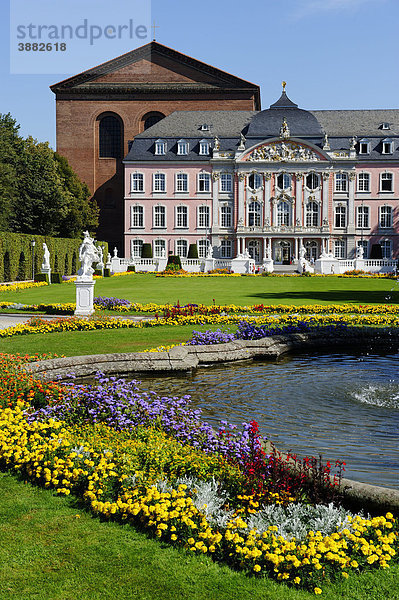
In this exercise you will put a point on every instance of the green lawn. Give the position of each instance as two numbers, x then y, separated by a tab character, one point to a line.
224	290
53	550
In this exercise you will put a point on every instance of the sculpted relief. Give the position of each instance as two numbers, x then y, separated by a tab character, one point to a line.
282	151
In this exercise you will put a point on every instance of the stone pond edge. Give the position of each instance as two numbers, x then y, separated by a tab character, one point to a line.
188	358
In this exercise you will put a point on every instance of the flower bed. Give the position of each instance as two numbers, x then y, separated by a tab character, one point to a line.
151	462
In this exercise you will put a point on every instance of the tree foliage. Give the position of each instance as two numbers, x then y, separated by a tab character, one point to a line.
39	192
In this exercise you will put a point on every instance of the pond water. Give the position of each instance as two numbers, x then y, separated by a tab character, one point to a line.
343	406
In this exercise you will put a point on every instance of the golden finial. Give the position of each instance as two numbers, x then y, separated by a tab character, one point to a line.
284	83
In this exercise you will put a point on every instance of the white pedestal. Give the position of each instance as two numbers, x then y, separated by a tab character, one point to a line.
209	264
268	265
327	266
359	264
243	265
84	297
47	271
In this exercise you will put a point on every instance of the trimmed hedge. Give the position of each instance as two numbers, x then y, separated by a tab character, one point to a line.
16	255
131	268
146	251
41	277
192	251
56	278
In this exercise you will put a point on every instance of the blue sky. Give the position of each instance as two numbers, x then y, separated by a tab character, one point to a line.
332	53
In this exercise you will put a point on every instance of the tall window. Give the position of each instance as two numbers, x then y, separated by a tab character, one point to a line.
137	216
181	182
363	217
181	216
181	248
386	247
203	216
226	216
159	248
254	214
312	181
341	182
312	214
160	147
255	181
283	213
182	147
204	182
283	181
159	182
151	118
386	216
339	249
226	249
386	182
137	182
340	216
110	137
226	182
135	248
159	216
203	246
204	147
363	182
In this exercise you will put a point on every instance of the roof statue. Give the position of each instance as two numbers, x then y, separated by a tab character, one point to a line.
284	130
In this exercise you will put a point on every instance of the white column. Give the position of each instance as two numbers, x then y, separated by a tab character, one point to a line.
274	201
268	177
241	198
351	203
296	249
298	198
215	199
324	210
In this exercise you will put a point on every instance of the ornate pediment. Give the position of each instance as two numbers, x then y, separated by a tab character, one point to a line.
282	152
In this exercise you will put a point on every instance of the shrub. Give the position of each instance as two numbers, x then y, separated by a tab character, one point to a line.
146	251
41	277
174	260
98	272
56	278
192	251
131	268
107	272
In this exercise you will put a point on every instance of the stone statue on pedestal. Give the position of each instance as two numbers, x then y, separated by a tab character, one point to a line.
46	258
88	254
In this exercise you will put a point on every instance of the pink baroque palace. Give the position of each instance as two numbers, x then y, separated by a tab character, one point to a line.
281	188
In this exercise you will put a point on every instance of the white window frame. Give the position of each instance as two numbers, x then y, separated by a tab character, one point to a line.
365	245
340	216
154	183
363	217
364	146
136	216
390	178
387	146
181	241
341	182
205	178
203	246
312	215
204	146
136	182
226	249
257	177
384	245
160	147
226	183
133	244
284	217
181	183
385	217
203	217
339	249
159	216
316	176
254	210
181	217
156	249
360	182
182	147
287	181
226	216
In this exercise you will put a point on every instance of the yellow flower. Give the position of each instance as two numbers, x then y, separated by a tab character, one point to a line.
317	590
257	568
297	580
344	575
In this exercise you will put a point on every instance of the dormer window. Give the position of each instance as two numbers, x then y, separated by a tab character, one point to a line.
385	125
182	147
387	146
204	127
204	147
364	147
160	147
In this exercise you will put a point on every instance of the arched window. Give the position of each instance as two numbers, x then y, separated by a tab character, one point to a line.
110	137
283	181
150	119
312	214
283	213
254	212
312	181
255	181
